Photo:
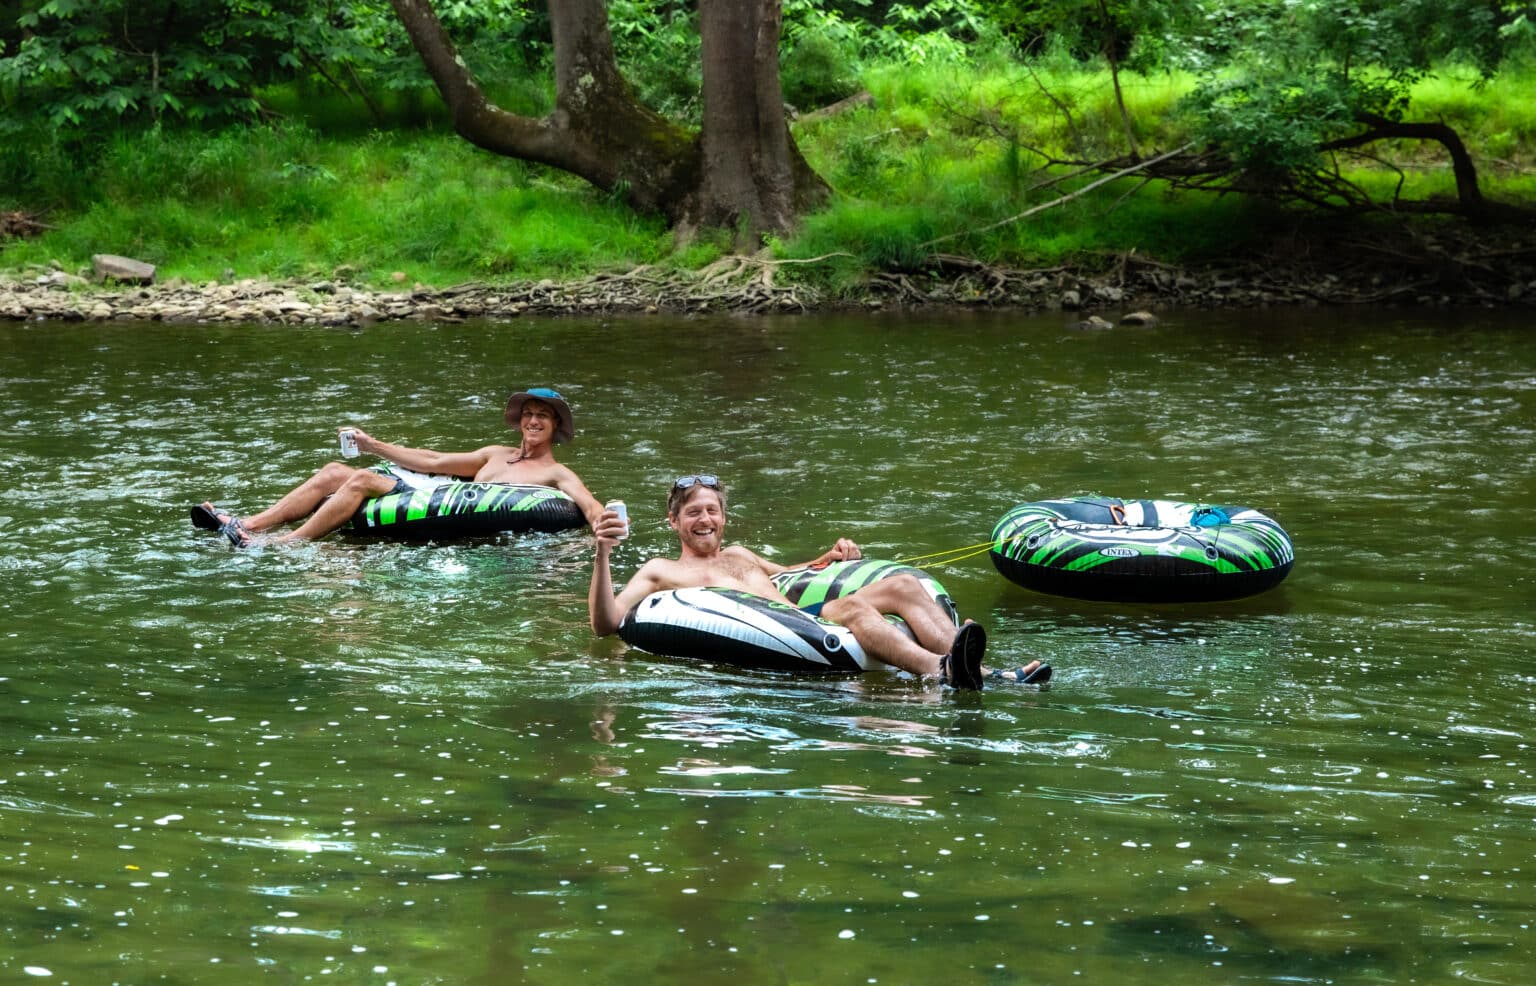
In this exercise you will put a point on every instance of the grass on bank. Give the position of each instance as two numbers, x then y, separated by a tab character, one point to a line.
945	150
286	202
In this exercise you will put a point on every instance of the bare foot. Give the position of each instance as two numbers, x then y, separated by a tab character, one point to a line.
1033	673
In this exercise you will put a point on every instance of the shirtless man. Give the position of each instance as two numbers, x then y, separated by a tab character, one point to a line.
329	498
696	511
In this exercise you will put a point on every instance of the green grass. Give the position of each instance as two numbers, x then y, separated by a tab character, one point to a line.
286	202
944	150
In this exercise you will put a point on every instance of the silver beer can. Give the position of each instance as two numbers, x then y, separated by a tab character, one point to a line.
618	507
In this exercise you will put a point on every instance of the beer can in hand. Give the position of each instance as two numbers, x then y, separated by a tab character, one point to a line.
617	506
349	444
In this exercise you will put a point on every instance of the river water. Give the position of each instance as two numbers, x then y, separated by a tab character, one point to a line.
391	763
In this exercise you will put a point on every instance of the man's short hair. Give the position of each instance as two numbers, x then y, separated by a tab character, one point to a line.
682	489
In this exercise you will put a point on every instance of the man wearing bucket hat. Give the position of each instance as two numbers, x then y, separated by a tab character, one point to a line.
329	498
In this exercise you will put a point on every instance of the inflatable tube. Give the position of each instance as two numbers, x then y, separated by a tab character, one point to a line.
733	627
1140	550
462	510
818	584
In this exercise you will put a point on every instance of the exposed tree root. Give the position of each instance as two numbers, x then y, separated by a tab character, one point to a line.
20	225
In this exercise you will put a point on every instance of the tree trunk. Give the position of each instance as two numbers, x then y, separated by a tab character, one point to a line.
753	177
742	171
1111	40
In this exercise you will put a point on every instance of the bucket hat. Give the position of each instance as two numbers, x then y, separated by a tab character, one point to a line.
565	427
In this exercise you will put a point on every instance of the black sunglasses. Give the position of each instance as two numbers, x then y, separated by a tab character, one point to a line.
706	481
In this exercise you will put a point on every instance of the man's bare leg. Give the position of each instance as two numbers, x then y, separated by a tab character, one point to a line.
302	500
904	596
879	638
335	511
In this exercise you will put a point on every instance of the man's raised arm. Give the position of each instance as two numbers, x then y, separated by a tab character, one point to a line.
424	459
605	610
843	550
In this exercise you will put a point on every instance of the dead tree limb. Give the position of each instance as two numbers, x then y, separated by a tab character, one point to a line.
1139	166
861	98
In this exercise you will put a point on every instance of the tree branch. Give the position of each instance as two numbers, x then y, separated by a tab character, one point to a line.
1140	166
475	118
1467	191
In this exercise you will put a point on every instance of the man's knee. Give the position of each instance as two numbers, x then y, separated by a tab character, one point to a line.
892	589
365	482
335	473
848	610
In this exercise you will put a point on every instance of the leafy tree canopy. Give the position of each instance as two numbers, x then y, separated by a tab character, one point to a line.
92	63
1299	73
84	63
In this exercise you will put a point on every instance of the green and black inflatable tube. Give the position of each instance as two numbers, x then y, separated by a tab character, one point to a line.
1155	551
455	510
728	626
811	585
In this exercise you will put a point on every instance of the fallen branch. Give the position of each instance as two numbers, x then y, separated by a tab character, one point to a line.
20	225
808	260
1139	166
860	98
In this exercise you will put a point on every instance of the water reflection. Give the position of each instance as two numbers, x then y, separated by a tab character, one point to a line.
410	763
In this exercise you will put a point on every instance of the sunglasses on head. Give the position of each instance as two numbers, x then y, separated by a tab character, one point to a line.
686	482
543	392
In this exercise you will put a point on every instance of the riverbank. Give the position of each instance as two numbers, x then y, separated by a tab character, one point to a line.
1444	268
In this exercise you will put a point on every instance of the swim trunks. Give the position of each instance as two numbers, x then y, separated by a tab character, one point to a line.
408	481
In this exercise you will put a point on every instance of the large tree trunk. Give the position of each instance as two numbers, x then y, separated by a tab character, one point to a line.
753	177
742	171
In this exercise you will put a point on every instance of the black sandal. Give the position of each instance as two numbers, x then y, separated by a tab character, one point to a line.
205	517
236	532
961	667
210	518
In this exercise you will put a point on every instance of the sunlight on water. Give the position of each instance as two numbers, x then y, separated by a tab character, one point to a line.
413	763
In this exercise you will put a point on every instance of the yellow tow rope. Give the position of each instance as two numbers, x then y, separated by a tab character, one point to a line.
952	555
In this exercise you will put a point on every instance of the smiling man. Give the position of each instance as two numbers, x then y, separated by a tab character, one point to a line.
329	498
696	512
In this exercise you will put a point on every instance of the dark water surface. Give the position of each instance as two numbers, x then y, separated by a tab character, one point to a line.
413	764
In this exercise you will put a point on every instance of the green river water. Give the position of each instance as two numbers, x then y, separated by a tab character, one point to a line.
358	762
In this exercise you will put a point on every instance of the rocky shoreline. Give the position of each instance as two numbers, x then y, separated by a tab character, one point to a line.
1128	289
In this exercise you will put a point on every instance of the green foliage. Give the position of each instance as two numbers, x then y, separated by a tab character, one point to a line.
816	70
1500	115
963	150
701	251
284	201
94	65
72	63
1269	128
951	145
823	49
934	32
878	235
1304	72
657	45
1138	34
38	167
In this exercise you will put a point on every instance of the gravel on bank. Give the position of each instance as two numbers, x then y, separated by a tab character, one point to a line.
1130	286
